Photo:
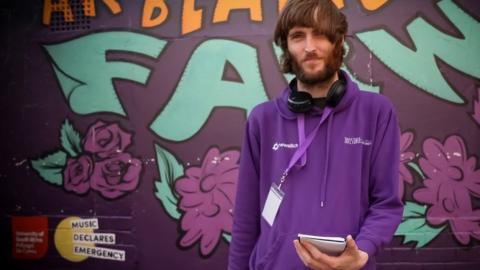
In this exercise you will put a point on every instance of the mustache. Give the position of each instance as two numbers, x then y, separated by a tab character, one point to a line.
311	56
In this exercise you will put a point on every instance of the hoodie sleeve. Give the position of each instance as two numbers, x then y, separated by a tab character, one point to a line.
385	206
246	215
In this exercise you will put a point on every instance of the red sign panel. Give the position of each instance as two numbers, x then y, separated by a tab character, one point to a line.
30	237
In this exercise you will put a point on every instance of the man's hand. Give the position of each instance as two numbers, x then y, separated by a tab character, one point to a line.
352	258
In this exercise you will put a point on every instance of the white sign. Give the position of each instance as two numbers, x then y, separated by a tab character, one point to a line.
91	223
97	238
100	253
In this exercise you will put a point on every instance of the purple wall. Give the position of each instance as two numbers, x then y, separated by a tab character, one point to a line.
110	126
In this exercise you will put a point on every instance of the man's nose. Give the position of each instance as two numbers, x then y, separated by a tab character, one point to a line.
309	44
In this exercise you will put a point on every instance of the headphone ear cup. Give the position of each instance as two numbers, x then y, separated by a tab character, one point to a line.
300	102
336	92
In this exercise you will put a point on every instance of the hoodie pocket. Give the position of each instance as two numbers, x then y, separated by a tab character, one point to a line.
281	255
269	256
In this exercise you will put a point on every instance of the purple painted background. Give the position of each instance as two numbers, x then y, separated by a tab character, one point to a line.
33	109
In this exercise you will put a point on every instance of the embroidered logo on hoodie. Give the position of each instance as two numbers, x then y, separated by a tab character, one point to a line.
277	145
357	140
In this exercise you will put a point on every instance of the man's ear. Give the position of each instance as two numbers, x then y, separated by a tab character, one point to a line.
340	41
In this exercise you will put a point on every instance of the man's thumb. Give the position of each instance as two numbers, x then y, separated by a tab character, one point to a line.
351	245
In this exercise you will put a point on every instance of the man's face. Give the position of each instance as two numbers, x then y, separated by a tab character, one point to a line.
312	55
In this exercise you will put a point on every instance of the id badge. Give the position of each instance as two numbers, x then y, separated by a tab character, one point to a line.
274	199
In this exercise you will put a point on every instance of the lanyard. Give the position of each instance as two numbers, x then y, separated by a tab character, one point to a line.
304	143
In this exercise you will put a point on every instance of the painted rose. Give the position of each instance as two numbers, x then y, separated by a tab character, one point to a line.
405	176
207	196
116	176
105	139
451	179
76	174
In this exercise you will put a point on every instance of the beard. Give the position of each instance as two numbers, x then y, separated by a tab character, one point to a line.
332	64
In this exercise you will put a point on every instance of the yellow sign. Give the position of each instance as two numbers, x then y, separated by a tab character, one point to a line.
64	239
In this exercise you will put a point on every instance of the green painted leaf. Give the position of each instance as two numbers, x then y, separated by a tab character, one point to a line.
50	167
417	169
414	227
170	169
70	139
227	237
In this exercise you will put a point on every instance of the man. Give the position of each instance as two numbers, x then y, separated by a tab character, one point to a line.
323	163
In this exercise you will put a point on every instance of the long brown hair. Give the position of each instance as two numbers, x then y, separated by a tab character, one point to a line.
321	15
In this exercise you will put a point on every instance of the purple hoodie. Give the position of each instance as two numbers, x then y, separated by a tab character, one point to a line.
351	169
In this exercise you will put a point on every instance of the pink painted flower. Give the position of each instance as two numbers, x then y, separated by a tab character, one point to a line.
116	176
76	174
207	196
451	179
106	139
405	176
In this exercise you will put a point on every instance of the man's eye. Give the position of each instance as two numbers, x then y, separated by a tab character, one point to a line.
295	36
319	35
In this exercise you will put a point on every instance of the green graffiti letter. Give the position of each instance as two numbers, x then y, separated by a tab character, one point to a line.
85	75
419	67
201	88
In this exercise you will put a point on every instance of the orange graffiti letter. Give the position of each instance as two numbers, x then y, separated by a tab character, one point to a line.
281	4
191	18
223	8
113	5
339	3
62	6
148	9
89	8
373	4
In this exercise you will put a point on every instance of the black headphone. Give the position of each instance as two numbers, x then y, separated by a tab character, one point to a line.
302	102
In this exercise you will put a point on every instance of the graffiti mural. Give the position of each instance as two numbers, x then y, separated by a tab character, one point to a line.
207	196
123	123
97	162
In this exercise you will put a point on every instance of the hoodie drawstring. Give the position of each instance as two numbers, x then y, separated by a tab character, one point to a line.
327	159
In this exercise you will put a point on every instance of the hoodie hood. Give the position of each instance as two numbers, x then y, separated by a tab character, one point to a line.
281	103
351	91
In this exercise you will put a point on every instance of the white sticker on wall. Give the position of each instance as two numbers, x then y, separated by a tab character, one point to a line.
97	238
99	252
